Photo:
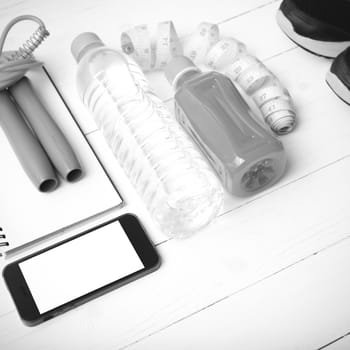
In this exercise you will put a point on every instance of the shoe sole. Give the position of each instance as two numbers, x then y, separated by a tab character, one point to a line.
321	48
338	87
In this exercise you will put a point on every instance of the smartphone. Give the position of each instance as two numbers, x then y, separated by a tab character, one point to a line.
56	279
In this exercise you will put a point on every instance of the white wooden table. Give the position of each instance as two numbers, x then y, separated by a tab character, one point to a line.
272	272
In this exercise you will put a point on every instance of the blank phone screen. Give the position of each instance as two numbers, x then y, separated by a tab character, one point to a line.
80	266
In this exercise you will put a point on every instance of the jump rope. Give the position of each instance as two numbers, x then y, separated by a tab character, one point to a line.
39	144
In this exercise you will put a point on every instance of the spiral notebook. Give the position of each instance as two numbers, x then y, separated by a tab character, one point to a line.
27	215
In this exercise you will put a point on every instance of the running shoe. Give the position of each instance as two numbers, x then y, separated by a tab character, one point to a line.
338	77
319	26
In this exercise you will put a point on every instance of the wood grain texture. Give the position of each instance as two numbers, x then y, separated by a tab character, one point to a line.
234	254
292	310
272	272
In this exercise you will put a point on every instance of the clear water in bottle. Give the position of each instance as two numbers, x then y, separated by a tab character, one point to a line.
170	174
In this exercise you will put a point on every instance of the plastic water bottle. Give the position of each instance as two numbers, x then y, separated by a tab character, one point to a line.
245	155
170	174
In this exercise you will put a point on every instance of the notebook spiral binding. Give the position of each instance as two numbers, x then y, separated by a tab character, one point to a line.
3	242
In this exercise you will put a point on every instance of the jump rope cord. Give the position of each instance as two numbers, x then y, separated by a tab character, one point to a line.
14	64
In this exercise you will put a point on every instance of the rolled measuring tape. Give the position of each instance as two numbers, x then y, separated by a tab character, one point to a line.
273	100
268	93
137	42
198	44
223	53
227	55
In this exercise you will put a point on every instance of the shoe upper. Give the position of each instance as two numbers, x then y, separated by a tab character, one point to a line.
325	20
341	67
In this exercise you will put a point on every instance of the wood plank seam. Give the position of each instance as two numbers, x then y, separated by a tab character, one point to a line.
276	188
281	53
320	251
264	194
334	341
248	11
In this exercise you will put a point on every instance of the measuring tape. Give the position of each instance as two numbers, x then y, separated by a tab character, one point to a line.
227	55
150	54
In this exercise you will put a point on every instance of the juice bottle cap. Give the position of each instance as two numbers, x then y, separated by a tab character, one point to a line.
178	65
83	43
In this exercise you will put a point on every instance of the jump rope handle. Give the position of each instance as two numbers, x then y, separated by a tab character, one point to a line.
28	150
45	128
38	142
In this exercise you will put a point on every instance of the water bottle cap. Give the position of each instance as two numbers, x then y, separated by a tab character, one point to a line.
177	66
84	42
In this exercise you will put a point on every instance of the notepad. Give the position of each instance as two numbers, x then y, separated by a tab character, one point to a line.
27	215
